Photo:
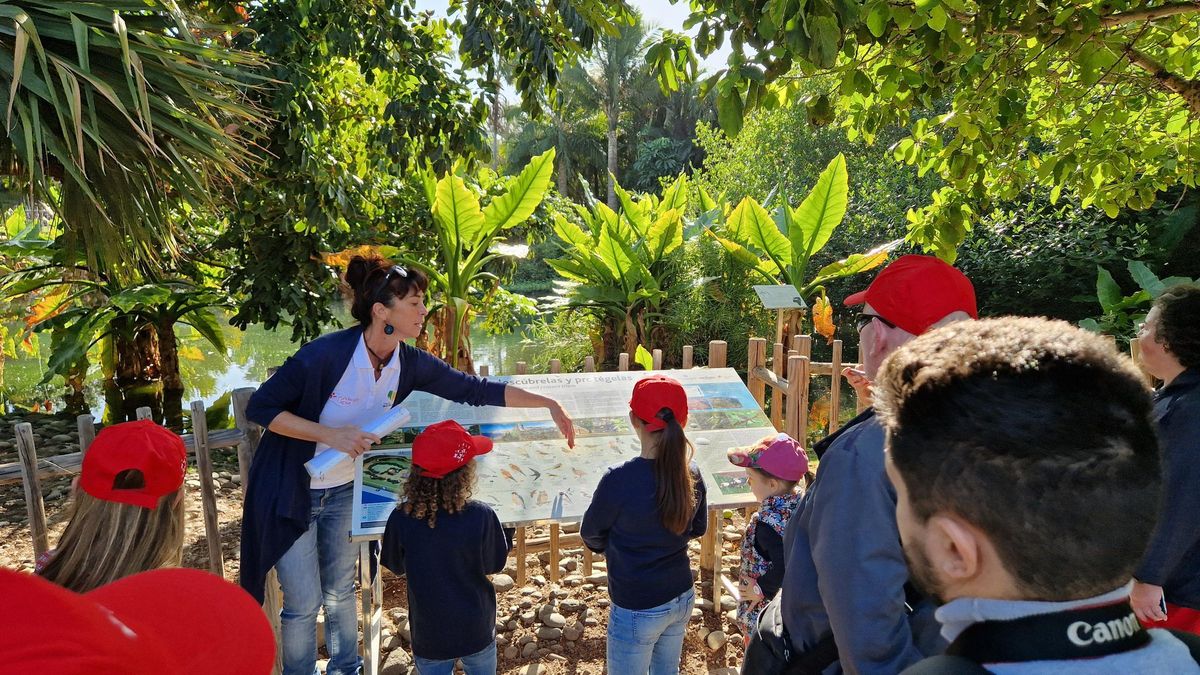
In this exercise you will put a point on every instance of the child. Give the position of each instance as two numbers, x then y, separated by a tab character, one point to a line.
641	517
774	466
447	544
127	515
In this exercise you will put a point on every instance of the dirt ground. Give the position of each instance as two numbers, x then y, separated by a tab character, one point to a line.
583	606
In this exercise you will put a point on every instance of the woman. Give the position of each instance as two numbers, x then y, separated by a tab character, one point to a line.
127	515
319	399
1166	592
642	516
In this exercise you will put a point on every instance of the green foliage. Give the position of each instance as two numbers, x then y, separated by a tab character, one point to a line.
623	261
459	281
1098	101
778	247
115	113
1123	313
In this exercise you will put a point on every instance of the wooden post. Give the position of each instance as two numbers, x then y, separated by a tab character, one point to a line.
522	368
795	370
251	432
780	322
687	357
144	413
519	546
34	506
372	610
484	371
87	433
555	367
207	491
835	386
778	366
714	522
718	350
756	356
589	364
623	361
272	605
658	359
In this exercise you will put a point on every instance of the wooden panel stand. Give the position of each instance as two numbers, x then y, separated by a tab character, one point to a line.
212	532
687	357
251	431
756	357
87	432
589	366
714	522
835	387
33	488
372	609
555	367
519	550
522	368
778	366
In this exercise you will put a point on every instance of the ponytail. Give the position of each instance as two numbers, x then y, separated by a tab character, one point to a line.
675	489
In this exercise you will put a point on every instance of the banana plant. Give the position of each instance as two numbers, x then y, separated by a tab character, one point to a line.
468	237
779	248
620	265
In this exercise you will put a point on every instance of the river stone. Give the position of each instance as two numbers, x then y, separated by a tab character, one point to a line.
503	583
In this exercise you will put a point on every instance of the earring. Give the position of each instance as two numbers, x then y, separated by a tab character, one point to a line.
388	329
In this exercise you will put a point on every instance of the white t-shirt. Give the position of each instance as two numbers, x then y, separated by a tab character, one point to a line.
357	399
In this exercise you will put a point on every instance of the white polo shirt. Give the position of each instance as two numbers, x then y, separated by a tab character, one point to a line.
357	399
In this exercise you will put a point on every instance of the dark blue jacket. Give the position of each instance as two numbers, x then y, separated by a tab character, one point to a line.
647	563
1173	557
451	602
277	508
845	569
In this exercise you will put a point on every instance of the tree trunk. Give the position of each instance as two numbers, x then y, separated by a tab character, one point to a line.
168	351
136	354
612	159
563	161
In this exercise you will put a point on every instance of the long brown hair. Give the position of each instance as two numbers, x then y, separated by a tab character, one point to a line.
105	541
425	496
675	487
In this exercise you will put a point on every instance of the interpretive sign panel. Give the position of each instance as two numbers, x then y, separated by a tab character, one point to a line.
531	475
783	296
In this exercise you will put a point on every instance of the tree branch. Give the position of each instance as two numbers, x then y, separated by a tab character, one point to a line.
1150	13
1188	90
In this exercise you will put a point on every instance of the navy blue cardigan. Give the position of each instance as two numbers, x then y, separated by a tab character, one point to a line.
277	506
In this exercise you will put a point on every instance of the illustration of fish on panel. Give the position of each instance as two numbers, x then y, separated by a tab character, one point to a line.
518	500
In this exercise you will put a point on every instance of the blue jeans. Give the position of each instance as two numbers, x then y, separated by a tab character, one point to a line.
482	662
648	639
318	570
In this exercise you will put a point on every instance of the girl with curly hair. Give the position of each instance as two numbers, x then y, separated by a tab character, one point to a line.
431	537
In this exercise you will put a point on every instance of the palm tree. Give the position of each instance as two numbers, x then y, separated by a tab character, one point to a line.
612	68
116	111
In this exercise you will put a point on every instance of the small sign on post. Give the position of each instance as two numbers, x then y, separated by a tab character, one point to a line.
785	300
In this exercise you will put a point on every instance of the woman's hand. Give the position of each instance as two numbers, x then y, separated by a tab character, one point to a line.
349	439
1147	602
564	422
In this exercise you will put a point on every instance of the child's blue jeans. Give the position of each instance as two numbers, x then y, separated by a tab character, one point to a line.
648	640
482	662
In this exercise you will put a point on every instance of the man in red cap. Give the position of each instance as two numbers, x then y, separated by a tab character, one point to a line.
846	605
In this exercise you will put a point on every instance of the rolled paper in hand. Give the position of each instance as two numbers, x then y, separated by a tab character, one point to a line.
390	421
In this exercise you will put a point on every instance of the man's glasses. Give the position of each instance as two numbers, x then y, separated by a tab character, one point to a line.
864	319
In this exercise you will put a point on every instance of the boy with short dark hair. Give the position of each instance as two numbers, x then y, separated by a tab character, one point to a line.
1027	473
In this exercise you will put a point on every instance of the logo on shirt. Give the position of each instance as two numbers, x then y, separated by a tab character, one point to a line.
344	401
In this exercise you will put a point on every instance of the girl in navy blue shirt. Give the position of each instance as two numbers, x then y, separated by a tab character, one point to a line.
447	544
641	517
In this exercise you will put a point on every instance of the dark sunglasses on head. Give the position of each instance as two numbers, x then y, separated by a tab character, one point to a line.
395	271
863	319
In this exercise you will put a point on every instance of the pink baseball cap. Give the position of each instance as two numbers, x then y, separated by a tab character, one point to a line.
779	455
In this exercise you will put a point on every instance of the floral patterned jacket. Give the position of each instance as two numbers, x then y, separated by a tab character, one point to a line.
773	513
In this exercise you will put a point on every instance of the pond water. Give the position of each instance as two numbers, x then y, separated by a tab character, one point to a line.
208	375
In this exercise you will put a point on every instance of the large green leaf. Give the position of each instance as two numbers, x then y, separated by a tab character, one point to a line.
634	213
665	235
1107	290
205	322
1146	280
457	211
616	255
822	210
764	266
676	195
523	194
855	263
750	225
574	237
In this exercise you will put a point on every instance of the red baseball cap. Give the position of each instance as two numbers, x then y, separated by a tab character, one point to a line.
916	291
445	447
178	621
157	452
652	394
778	454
